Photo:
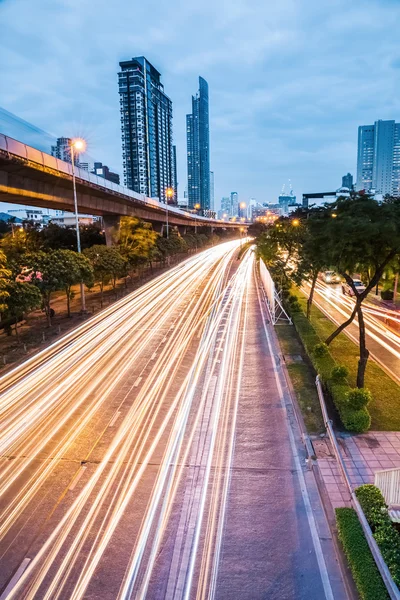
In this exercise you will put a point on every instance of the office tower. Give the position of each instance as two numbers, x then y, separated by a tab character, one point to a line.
234	204
146	127
212	190
174	174
198	149
378	158
347	181
226	206
62	150
103	171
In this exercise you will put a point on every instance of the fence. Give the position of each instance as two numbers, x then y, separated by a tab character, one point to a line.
274	301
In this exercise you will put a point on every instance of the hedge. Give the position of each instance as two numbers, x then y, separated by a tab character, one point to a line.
386	536
357	420
367	578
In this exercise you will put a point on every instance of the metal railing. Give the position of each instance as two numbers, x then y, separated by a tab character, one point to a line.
391	587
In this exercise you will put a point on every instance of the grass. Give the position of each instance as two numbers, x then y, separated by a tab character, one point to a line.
385	406
302	377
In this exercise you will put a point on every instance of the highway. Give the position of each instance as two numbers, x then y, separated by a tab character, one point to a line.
149	454
382	333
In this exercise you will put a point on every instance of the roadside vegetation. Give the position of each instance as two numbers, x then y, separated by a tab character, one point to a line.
352	235
365	573
37	265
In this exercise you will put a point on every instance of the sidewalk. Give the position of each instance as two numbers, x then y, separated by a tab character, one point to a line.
363	455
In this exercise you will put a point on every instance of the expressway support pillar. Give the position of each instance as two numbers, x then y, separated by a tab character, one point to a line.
111	227
158	227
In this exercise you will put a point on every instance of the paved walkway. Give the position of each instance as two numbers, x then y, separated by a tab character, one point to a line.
363	454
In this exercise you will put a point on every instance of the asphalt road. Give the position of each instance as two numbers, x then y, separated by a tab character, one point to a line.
383	341
151	454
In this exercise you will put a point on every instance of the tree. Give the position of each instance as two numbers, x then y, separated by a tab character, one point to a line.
5	274
361	234
49	272
22	298
108	265
19	242
137	242
77	269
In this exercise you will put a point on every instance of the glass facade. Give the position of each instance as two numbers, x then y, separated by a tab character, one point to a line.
146	128
198	149
378	159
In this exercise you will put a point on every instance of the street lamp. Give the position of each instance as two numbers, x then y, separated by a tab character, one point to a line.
196	206
169	192
77	145
296	222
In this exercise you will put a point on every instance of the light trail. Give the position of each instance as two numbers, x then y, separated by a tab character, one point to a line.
176	348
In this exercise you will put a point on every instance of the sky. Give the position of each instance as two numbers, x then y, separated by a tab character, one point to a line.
290	80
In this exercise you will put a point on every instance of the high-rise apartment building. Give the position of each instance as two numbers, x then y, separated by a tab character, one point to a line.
347	181
146	126
212	190
226	206
378	158
198	149
103	171
174	174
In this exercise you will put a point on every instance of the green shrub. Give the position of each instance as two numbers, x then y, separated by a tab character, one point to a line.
339	373
386	536
320	350
358	398
365	572
387	294
357	421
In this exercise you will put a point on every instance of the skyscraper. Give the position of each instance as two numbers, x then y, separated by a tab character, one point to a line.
212	190
347	181
234	204
378	158
226	206
146	127
174	174
198	149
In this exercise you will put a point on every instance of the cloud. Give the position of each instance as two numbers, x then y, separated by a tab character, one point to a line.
290	81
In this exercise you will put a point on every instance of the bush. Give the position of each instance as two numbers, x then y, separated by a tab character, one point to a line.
320	350
358	398
356	420
339	373
365	572
387	294
388	539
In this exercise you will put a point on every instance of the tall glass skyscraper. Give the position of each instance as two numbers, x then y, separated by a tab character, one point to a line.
198	149
378	158
146	126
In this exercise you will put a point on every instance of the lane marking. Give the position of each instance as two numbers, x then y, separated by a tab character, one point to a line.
138	380
115	417
15	578
153	355
304	492
77	477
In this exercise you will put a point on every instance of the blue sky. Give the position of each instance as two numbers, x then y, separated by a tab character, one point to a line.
290	81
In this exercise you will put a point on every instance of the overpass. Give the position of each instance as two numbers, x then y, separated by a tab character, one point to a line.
32	177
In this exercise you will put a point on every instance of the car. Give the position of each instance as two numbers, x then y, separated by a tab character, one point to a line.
358	284
331	277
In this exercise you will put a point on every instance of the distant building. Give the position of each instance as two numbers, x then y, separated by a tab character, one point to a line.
62	149
211	190
378	158
198	149
347	181
103	171
321	198
285	201
174	173
146	126
226	206
67	219
234	204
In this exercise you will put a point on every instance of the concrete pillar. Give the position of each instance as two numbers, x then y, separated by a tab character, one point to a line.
111	227
182	229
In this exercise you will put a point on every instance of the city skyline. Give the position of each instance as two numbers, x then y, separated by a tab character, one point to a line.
282	121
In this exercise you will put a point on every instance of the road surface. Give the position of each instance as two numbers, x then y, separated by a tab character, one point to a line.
383	340
149	454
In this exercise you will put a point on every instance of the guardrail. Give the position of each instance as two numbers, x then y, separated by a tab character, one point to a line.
391	587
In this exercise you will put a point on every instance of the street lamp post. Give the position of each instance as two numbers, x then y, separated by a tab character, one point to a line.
169	193
78	145
196	206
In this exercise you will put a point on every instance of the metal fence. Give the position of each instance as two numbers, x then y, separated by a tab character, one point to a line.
392	588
